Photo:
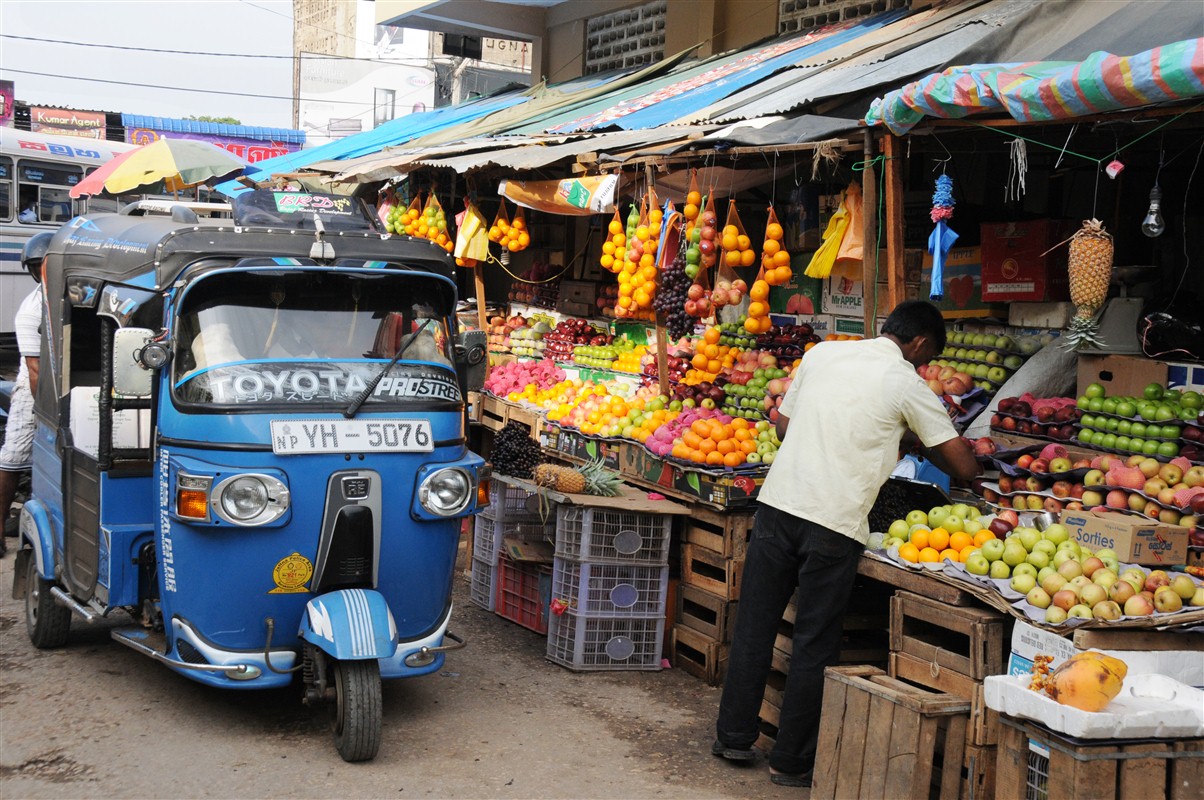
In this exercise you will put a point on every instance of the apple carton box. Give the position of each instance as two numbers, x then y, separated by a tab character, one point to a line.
1136	540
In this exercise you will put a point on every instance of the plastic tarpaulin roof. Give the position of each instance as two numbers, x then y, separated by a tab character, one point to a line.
393	132
1048	91
717	78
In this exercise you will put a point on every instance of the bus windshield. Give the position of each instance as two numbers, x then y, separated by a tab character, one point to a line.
314	337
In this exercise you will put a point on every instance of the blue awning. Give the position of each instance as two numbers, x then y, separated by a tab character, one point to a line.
174	125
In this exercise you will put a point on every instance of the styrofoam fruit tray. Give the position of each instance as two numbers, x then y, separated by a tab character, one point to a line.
1148	706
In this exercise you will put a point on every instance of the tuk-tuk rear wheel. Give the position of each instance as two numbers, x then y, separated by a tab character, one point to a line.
46	622
357	709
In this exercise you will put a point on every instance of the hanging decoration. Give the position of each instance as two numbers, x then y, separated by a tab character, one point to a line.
775	260
824	257
942	236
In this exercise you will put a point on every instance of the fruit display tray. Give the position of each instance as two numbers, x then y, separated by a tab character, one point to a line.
1148	706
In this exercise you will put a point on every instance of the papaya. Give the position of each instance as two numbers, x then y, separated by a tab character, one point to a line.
1087	681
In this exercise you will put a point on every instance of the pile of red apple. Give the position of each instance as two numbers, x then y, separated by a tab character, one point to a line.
559	342
945	380
1038	418
786	341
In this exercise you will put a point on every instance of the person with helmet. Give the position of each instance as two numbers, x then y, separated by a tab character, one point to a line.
17	450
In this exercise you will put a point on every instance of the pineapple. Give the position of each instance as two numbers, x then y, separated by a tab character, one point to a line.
561	479
591	479
1090	269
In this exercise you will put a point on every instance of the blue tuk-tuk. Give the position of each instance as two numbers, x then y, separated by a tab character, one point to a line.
251	439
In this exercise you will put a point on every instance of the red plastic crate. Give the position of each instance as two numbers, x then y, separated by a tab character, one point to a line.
524	592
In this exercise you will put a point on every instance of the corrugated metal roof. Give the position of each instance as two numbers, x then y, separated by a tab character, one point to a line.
174	125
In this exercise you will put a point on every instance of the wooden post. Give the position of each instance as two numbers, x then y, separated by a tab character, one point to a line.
479	280
893	187
869	206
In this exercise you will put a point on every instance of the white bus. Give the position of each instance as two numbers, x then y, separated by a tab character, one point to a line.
37	172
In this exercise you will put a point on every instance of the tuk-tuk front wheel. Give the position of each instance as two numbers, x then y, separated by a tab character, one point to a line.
357	709
46	622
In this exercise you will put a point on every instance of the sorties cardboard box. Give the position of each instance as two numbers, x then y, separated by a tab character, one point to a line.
1136	540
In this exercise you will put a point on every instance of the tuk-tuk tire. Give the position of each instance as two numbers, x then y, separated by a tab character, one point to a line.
47	623
357	709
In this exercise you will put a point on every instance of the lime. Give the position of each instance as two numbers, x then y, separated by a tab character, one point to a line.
1153	391
1093	391
1168	449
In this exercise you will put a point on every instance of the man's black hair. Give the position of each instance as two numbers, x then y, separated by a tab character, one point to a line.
913	318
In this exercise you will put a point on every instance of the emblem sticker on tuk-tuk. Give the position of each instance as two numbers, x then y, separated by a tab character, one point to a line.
291	573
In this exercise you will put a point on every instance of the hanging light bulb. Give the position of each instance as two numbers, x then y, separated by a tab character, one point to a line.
1153	225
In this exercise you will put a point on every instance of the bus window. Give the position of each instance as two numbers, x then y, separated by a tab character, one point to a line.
6	188
45	187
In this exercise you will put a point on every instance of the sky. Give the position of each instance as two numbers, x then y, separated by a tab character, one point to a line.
260	27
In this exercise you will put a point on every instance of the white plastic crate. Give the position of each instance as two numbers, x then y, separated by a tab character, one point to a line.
510	503
610	590
607	535
488	535
585	644
483	582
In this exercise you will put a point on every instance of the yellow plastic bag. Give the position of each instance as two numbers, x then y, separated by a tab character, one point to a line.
852	246
825	257
472	238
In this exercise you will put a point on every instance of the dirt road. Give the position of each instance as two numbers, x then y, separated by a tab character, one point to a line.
96	719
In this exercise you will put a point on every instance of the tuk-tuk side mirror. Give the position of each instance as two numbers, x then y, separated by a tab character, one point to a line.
472	359
135	356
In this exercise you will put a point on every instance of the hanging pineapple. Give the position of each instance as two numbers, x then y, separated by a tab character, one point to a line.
1090	269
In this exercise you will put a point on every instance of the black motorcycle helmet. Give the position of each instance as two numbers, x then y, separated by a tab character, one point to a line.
33	253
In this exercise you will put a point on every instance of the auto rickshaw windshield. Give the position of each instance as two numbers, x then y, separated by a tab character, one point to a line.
312	336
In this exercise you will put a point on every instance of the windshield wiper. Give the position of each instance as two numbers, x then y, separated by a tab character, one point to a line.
354	408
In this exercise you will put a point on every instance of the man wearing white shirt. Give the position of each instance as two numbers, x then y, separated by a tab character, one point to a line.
17	449
841	425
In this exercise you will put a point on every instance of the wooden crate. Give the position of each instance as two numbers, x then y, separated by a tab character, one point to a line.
696	654
968	641
984	722
1034	762
912	581
881	738
493	412
706	613
725	533
710	571
978	775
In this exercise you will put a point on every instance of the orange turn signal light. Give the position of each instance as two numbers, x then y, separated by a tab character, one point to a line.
483	493
192	503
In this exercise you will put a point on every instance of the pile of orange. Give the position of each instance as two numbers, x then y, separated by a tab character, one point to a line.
737	248
938	544
716	444
710	358
758	308
841	337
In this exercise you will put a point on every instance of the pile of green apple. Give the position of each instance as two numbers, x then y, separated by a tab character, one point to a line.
1056	574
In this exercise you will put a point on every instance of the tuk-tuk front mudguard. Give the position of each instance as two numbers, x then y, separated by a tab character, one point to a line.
36	532
350	625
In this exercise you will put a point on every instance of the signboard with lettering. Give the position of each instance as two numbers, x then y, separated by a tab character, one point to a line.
67	122
251	150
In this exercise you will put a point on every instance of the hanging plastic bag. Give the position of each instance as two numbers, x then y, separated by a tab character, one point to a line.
501	224
614	249
410	217
434	223
735	244
851	252
824	258
472	239
693	204
387	210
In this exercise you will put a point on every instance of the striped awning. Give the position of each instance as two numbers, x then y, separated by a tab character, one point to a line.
1047	91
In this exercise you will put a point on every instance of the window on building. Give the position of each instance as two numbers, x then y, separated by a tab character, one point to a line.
799	16
384	106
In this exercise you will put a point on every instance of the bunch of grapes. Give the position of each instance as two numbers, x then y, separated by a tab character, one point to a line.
514	452
671	297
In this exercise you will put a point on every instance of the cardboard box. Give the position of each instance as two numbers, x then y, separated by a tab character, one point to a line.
1184	376
1040	315
846	297
1018	263
579	291
1178	661
1119	374
962	284
802	295
1136	540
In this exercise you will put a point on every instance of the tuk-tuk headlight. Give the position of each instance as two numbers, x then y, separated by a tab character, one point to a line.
250	499
447	492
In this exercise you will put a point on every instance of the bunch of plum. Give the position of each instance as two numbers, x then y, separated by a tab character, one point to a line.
786	341
559	342
677	368
703	395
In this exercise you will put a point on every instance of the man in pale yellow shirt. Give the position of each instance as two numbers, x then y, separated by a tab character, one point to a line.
841	425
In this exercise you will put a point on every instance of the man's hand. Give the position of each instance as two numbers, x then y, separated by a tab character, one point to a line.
956	458
31	367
